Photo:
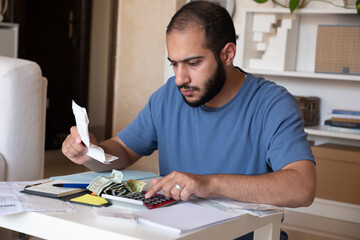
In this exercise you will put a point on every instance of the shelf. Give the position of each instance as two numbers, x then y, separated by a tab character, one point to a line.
294	64
300	48
328	76
303	11
323	132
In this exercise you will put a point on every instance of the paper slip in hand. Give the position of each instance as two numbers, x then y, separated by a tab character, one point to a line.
82	122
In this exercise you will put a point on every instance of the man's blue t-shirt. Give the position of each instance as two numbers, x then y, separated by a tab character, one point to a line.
259	131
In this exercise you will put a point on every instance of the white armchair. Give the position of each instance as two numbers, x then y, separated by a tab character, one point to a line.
22	120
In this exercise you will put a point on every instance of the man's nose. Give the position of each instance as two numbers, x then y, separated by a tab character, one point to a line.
181	75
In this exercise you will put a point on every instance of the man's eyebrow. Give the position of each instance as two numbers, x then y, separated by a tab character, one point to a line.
187	59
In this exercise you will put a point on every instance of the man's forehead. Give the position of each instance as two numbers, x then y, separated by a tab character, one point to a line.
196	33
189	26
185	45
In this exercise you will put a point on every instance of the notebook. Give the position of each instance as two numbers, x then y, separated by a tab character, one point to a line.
48	190
182	217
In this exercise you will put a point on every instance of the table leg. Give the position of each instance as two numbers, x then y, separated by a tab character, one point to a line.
268	232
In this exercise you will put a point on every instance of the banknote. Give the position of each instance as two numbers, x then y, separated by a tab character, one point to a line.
114	185
135	185
101	182
117	189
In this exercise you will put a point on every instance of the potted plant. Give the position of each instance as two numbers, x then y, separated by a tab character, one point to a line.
296	4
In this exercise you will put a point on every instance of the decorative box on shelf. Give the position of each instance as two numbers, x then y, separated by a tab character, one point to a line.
310	109
337	49
272	41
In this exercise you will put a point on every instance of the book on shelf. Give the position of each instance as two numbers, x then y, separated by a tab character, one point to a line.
349	120
344	124
342	129
346	112
182	217
345	115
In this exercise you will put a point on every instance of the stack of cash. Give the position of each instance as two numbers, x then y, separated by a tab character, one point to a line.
114	185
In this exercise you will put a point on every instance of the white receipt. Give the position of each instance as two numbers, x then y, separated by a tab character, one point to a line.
82	122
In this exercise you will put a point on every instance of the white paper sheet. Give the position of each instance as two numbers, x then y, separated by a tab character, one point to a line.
183	217
13	201
82	122
229	205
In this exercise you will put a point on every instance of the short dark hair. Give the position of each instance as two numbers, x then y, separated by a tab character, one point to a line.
214	19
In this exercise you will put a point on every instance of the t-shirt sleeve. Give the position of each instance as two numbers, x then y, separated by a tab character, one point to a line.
284	133
140	135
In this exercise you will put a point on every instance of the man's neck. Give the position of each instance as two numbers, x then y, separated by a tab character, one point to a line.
234	81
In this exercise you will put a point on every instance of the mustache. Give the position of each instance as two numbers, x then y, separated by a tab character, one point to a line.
188	87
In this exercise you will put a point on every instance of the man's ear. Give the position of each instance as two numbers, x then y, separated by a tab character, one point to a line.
228	53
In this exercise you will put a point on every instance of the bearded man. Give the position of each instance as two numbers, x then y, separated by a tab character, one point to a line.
218	129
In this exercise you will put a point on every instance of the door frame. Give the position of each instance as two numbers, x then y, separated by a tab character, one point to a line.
114	10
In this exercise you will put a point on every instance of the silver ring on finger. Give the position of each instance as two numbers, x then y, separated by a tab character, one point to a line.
178	187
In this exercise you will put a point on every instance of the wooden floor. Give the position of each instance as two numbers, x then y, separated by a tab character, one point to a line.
57	164
300	226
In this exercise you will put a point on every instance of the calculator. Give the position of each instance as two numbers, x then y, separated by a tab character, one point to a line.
158	200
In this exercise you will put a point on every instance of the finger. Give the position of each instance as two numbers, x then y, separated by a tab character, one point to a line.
74	132
158	185
154	181
186	193
78	146
75	140
154	189
71	147
150	191
74	150
176	191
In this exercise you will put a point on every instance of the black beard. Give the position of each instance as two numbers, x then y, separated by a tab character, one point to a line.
213	86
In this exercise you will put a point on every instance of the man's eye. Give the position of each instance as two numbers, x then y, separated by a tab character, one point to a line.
193	64
173	64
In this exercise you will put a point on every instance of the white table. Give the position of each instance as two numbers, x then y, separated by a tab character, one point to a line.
83	224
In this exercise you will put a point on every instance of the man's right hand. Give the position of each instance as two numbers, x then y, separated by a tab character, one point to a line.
74	149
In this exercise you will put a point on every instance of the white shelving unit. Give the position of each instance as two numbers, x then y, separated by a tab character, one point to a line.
320	135
294	74
334	90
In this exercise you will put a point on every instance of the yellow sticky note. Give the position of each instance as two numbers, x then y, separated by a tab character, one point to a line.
90	200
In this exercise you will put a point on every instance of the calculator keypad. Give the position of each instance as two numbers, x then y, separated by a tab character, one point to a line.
155	201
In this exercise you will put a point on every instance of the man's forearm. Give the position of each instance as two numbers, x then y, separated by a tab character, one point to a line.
286	188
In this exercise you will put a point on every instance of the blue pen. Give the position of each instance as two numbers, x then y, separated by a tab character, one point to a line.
71	185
